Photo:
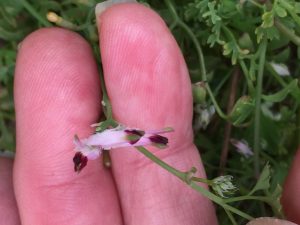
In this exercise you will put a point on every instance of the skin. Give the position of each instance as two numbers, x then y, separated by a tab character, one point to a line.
57	95
291	194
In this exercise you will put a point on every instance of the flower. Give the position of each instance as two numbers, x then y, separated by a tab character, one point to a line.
242	147
204	114
222	185
91	148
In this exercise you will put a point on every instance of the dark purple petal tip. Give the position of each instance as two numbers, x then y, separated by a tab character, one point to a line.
133	136
135	132
157	139
80	161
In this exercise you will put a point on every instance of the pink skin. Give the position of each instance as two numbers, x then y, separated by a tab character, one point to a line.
57	95
8	207
291	193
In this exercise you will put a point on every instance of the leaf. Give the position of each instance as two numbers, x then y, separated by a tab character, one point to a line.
276	205
263	182
268	19
281	12
212	13
242	110
297	7
282	94
270	33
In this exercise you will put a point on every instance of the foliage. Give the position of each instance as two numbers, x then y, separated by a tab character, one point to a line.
244	38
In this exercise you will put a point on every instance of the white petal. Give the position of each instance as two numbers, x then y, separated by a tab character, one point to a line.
108	138
281	69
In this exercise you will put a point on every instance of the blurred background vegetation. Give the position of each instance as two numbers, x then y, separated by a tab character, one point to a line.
243	58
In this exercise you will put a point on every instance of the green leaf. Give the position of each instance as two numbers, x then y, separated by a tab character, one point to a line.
242	110
297	7
276	205
263	182
212	13
282	94
280	11
270	33
268	19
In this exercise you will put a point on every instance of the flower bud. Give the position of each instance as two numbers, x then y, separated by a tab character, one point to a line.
223	186
245	42
199	92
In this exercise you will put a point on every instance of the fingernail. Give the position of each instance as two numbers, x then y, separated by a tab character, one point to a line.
269	221
7	154
101	7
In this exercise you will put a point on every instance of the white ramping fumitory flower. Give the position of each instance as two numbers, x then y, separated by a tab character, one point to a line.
92	147
281	69
242	147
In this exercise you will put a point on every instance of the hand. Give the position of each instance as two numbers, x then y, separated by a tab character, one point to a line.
57	94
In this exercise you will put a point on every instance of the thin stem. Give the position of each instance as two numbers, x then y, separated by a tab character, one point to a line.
230	216
202	180
287	32
35	14
247	197
263	48
247	76
219	200
181	24
256	4
107	105
183	176
161	163
275	75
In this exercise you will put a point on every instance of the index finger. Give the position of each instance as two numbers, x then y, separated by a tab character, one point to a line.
149	87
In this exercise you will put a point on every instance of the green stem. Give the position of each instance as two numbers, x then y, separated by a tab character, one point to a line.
183	176
161	163
247	76
202	180
262	50
275	75
35	14
230	216
247	197
107	105
287	32
256	4
180	23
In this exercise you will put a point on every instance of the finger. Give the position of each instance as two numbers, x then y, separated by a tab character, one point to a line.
269	221
291	194
57	95
8	208
149	87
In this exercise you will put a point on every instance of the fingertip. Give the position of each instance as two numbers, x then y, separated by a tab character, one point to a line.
57	95
291	194
269	221
144	69
149	88
63	51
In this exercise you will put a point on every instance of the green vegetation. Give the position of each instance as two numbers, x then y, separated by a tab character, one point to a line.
253	90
